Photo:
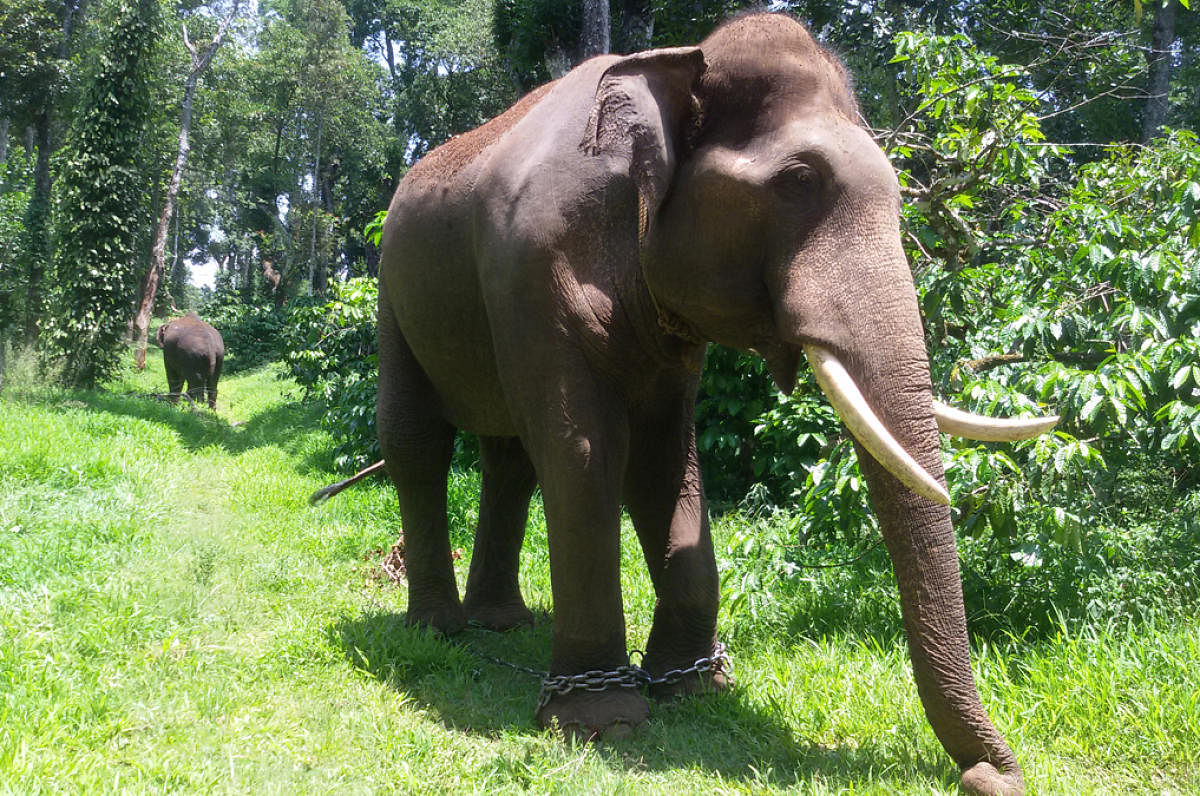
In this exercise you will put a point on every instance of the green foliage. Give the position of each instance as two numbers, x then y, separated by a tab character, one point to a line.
755	444
253	333
101	202
331	353
373	231
527	31
446	75
1128	570
13	200
30	36
1046	287
1107	310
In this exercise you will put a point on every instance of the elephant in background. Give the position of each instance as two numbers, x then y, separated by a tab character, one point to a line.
193	351
549	282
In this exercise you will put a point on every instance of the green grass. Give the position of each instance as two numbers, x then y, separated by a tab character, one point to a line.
175	617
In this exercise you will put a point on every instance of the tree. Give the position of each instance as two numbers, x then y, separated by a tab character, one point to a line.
35	42
101	200
594	38
200	59
633	25
1161	42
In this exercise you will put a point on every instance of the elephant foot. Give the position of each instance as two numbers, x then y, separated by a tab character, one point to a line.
445	618
595	715
983	778
502	616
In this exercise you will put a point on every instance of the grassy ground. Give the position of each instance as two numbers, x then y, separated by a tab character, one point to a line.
174	617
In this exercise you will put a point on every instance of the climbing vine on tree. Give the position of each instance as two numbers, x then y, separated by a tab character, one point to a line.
101	204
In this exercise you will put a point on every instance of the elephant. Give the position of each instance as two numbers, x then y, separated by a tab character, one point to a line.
549	282
193	351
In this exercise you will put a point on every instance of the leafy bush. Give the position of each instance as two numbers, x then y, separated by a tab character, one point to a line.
331	352
253	333
1045	285
1138	562
14	171
1125	570
101	205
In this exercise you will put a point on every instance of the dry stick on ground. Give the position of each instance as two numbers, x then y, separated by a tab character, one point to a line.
200	62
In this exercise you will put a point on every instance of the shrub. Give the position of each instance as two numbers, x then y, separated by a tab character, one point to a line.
331	352
253	334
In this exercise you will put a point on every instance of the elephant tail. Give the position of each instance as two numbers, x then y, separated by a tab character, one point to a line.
326	492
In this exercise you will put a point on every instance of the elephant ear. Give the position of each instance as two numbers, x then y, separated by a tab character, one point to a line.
641	111
162	331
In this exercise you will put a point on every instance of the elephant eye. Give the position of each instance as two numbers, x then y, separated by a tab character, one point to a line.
805	176
800	181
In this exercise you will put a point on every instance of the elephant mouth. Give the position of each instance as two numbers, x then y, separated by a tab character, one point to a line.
866	427
783	361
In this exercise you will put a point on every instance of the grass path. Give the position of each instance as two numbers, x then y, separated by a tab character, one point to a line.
175	618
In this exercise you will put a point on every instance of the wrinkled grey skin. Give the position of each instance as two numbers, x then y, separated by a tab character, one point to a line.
549	282
193	352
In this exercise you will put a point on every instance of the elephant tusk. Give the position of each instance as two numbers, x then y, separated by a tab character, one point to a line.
989	429
867	428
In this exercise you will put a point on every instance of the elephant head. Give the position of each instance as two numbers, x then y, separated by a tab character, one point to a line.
769	222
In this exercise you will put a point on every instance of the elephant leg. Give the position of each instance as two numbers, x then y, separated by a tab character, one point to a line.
665	498
417	444
195	385
493	595
210	385
174	383
580	454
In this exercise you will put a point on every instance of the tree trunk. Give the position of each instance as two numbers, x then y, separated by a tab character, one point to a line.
37	228
141	323
200	62
3	140
316	212
594	39
371	253
635	26
37	215
390	52
1155	114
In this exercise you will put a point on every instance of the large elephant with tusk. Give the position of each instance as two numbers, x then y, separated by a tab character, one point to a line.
549	281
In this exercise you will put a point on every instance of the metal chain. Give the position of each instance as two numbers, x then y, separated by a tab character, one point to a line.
540	674
594	680
717	662
627	676
630	676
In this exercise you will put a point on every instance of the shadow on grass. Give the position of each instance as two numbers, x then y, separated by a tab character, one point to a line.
282	425
484	683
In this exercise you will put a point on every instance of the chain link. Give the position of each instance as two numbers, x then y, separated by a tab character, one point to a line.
594	680
630	676
627	676
715	663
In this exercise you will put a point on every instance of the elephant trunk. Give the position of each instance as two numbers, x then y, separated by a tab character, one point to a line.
920	539
877	336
